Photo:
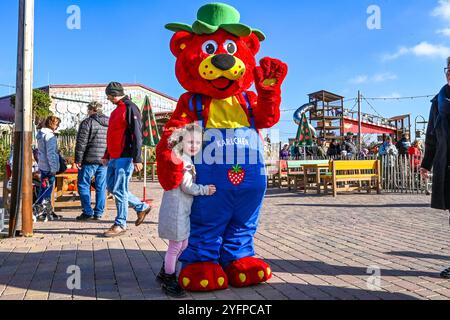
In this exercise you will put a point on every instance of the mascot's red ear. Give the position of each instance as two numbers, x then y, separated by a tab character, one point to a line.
253	43
179	42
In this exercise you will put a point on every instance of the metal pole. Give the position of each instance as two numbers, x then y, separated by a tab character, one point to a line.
145	174
359	123
22	192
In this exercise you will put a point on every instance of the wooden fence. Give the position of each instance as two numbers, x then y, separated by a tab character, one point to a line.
66	143
401	174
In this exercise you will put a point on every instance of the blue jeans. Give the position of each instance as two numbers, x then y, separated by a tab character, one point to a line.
119	175
84	189
47	185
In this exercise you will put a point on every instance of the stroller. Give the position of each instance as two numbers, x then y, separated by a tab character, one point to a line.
42	209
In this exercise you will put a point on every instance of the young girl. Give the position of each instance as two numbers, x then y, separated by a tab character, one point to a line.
174	222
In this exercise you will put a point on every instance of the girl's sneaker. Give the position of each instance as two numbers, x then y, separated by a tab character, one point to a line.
169	284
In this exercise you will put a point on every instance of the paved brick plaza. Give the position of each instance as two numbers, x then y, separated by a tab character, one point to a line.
318	247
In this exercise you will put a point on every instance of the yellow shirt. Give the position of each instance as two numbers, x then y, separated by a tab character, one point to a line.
227	114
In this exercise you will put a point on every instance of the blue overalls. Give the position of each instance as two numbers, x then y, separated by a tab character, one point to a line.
223	225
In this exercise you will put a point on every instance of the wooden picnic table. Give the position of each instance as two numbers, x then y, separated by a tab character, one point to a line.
60	180
316	169
296	171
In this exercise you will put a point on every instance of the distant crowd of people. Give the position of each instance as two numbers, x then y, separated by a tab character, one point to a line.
348	149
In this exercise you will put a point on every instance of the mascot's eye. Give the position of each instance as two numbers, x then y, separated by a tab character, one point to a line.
230	46
210	47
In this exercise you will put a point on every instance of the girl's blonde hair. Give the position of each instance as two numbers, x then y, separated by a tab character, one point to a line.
419	144
178	136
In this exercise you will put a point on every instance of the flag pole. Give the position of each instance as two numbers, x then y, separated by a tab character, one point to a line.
145	174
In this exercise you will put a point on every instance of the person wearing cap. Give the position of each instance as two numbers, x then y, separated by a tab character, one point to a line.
123	156
437	150
89	152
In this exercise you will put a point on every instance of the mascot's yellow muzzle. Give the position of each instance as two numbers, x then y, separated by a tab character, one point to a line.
222	65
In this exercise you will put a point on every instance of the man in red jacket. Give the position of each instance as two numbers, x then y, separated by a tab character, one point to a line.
123	156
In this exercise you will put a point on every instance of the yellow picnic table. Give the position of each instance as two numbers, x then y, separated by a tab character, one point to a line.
316	170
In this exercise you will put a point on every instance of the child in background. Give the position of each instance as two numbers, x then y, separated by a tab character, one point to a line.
174	215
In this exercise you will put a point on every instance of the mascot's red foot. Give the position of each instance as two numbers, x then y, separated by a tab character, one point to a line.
247	272
203	277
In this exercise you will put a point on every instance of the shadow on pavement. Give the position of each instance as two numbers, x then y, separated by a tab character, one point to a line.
347	205
418	255
130	273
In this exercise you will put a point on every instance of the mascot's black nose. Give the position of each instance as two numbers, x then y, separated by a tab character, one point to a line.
223	61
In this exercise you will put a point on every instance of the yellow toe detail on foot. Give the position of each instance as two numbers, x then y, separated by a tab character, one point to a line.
242	277
186	282
269	272
221	281
261	275
204	283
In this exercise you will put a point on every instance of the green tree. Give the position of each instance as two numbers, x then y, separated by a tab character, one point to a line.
41	105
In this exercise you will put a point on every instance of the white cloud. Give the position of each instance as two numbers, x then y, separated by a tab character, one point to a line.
442	10
382	77
445	32
359	79
423	49
377	78
401	52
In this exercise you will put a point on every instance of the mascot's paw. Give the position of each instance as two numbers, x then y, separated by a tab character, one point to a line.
203	277
247	272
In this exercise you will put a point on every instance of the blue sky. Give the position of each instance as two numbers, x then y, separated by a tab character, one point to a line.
326	44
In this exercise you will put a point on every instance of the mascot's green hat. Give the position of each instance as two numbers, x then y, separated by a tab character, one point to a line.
215	16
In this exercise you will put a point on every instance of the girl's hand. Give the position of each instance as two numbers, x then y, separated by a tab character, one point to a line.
212	190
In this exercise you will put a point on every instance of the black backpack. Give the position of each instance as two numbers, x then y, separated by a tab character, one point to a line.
62	164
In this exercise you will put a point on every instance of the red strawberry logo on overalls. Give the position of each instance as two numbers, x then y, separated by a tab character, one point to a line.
236	175
216	65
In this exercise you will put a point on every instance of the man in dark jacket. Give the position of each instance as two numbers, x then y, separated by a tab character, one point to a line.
89	152
437	150
123	155
349	146
403	145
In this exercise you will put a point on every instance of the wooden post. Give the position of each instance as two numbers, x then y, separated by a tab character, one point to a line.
145	174
359	123
22	192
334	179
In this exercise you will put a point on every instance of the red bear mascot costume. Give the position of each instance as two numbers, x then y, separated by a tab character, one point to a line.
216	65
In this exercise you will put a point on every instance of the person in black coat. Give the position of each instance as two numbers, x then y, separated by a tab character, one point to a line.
334	150
437	150
89	151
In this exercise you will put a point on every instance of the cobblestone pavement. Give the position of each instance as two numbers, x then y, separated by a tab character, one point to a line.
318	247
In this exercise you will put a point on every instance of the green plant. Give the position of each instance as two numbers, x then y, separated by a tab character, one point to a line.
41	105
4	156
72	132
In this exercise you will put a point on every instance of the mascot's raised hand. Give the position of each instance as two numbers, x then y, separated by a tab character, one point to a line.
269	76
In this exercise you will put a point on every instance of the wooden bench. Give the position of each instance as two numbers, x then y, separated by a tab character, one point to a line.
295	171
354	171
